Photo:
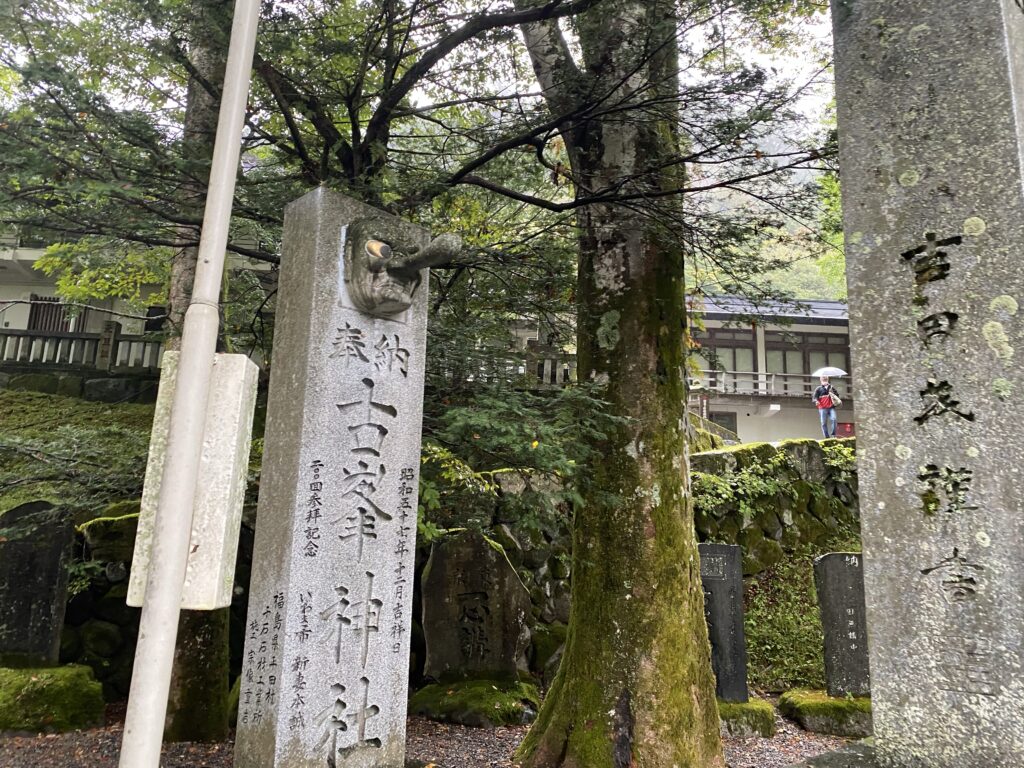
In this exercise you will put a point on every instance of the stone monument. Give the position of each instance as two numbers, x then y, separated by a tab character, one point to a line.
325	670
930	118
35	549
721	574
475	611
839	579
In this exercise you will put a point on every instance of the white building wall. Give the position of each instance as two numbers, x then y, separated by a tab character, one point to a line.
758	423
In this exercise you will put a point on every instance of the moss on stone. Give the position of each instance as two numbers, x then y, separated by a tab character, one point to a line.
233	697
818	712
34	382
112	538
102	638
743	720
547	639
479	703
53	699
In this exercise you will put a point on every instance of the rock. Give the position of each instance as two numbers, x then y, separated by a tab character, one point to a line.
113	608
547	640
561	602
513	549
49	700
551	668
818	712
35	549
747	719
860	755
479	703
111	390
35	382
560	566
70	644
101	638
112	538
70	386
474	611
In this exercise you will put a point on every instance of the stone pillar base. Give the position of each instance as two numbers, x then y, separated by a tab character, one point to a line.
859	755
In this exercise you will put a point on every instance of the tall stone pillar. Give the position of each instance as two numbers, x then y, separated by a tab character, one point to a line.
325	674
930	98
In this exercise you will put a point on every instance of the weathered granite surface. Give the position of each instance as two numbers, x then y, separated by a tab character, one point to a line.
721	573
35	549
854	756
475	611
839	579
930	149
325	671
220	489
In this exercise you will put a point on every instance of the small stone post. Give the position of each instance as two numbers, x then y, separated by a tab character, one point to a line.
325	671
721	575
839	580
930	118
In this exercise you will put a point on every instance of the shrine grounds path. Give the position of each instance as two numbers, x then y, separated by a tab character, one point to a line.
446	746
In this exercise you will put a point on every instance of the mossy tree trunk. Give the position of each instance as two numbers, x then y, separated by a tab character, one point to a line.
635	686
198	702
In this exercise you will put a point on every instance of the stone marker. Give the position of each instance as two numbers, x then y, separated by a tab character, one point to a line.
475	611
325	670
839	578
721	573
35	548
106	347
220	488
930	117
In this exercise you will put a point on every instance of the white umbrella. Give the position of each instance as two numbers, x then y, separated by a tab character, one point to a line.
830	370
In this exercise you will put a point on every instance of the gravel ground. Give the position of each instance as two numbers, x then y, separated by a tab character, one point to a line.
447	746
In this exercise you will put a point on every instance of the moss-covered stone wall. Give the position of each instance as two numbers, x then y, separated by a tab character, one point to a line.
775	498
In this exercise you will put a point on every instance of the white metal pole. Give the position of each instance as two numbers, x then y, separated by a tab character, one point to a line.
158	629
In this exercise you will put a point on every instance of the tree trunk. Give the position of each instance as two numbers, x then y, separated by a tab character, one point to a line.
198	702
211	20
635	687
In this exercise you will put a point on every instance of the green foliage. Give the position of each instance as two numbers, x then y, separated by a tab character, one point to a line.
510	451
840	457
104	268
82	574
79	455
782	623
746	488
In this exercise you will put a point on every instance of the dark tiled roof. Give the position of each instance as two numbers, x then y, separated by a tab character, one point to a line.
816	309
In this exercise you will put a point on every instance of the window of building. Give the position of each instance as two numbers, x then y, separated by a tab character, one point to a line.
724	419
792	357
730	357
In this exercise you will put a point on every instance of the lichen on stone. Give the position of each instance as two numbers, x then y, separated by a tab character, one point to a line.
997	340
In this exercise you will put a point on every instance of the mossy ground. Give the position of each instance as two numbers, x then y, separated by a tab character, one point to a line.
52	699
78	454
818	712
756	716
480	703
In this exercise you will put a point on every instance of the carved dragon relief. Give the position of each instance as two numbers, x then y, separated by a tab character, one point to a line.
383	271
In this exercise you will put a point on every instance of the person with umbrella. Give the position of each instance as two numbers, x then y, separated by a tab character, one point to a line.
826	398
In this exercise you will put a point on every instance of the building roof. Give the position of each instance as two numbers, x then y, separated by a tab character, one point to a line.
806	310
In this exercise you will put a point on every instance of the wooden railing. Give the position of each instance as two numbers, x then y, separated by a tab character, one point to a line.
533	368
100	351
765	384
